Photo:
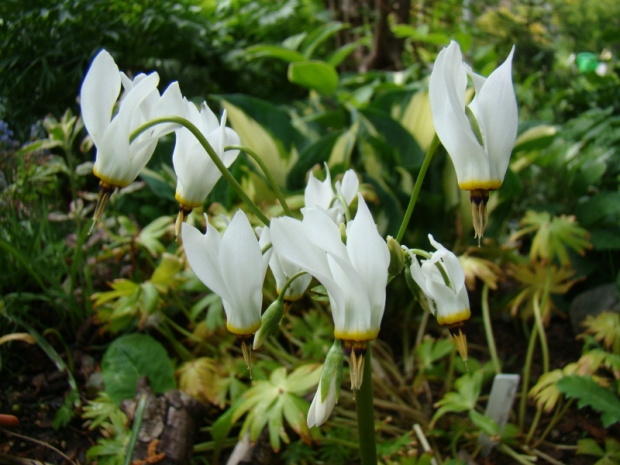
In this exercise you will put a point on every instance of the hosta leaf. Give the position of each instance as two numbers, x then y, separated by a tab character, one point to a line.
591	394
315	75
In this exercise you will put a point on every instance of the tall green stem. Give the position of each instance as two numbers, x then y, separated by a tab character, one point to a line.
417	187
366	414
488	330
525	385
268	175
216	160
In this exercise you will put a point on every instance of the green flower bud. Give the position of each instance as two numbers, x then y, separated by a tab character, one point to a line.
270	322
332	368
397	258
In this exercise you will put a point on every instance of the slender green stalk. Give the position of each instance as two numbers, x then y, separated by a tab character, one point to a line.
488	330
135	430
557	416
541	334
216	160
366	414
525	384
268	175
417	187
522	459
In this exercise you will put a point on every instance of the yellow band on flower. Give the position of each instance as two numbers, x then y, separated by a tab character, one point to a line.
359	336
186	204
111	182
454	317
243	331
480	185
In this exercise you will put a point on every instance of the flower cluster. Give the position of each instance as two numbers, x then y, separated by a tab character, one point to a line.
125	132
344	252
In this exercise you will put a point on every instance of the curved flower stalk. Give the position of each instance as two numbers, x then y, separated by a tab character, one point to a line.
354	275
118	160
335	200
441	279
328	390
479	137
196	172
232	266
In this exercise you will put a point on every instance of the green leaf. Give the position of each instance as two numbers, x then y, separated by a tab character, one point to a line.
319	35
486	424
274	51
128	358
315	75
267	130
338	56
591	394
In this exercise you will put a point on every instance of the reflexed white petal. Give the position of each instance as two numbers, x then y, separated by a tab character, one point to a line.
317	193
99	93
171	103
349	186
498	116
202	254
370	256
241	263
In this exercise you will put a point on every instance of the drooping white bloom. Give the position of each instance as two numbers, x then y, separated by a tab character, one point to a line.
118	159
233	267
196	172
283	270
354	275
321	194
447	301
479	143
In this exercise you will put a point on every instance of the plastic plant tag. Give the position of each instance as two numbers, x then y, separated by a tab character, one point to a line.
502	395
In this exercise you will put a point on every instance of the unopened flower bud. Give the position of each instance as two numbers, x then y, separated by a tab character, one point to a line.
270	322
397	259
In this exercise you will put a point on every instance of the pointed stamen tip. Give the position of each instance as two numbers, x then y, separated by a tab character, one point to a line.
356	350
479	199
246	348
105	190
460	339
181	218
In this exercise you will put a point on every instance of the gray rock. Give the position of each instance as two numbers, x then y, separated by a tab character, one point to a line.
592	302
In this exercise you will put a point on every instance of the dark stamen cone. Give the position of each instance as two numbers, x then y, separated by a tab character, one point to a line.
460	339
181	218
356	351
105	190
479	199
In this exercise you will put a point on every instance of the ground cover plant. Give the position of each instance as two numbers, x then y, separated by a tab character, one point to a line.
303	264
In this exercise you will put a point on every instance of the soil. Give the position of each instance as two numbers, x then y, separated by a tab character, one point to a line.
32	389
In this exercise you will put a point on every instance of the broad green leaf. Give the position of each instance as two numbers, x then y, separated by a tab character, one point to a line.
315	75
416	118
604	207
536	138
128	358
486	424
341	54
404	30
274	51
167	268
318	36
591	394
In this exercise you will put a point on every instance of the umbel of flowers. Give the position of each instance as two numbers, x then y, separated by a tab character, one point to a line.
345	253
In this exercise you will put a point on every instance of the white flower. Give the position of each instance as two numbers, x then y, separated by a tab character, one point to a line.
448	301
118	160
354	275
321	194
480	154
233	267
196	172
283	270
